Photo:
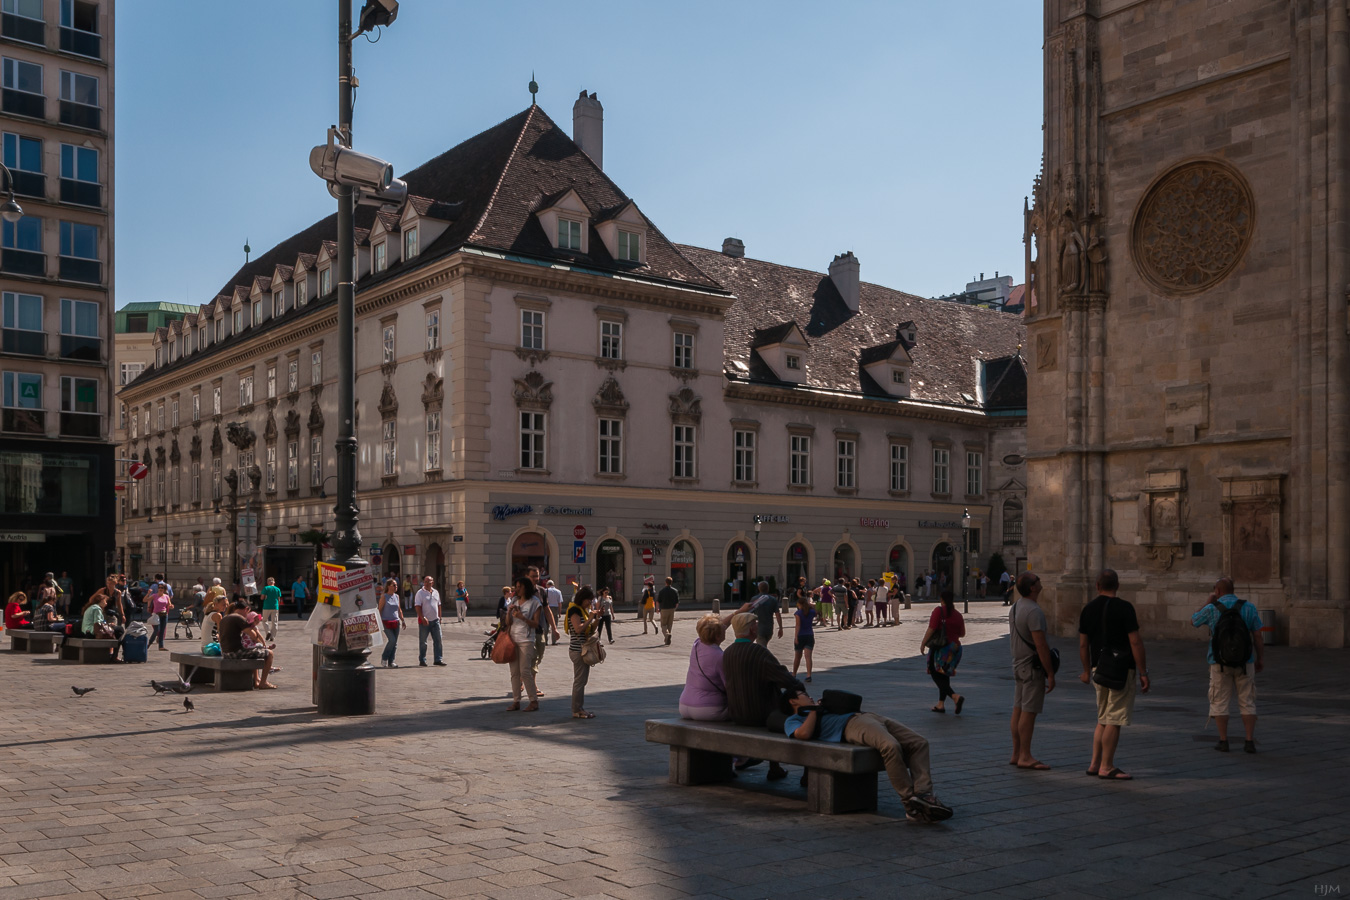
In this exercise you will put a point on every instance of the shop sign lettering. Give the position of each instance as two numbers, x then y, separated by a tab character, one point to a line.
766	519
874	523
655	526
929	523
568	510
502	512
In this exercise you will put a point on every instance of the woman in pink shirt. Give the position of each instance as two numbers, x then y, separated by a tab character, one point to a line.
945	655
160	604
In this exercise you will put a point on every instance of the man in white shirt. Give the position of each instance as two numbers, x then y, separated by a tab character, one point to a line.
881	603
554	598
428	604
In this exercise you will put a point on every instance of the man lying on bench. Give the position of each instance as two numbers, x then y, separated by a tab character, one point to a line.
904	752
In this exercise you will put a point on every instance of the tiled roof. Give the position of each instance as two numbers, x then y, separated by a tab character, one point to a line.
869	355
285	273
950	336
1005	384
774	334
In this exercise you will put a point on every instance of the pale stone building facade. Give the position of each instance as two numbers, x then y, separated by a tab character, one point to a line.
1187	336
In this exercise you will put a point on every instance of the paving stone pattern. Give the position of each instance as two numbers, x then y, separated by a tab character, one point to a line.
122	794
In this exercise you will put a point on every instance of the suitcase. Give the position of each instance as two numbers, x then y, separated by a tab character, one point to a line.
135	649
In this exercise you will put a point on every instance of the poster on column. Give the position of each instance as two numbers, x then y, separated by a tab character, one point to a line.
358	609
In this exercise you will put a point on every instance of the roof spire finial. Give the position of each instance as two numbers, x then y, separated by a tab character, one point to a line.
247	251
534	88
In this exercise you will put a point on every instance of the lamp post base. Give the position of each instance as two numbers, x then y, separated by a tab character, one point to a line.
346	684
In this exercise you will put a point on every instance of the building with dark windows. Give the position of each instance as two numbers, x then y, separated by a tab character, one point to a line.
543	378
56	354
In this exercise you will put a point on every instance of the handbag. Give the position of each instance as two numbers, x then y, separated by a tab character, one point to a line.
593	652
1113	664
503	648
939	638
391	624
1036	657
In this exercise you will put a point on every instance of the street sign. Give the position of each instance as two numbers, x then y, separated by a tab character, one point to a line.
579	551
579	532
138	470
646	556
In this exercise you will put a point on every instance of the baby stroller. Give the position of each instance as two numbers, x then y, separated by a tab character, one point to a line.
186	619
488	644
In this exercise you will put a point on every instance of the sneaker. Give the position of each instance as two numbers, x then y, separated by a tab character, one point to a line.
422	662
1249	746
929	808
776	772
438	663
667	642
1221	746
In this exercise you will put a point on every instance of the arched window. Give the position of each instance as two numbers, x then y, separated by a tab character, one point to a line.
844	562
798	561
682	560
530	549
1012	521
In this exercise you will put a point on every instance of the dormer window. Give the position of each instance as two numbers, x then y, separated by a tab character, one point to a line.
630	246
897	376
569	234
325	282
794	361
220	330
238	320
381	256
201	338
278	303
410	248
301	290
257	311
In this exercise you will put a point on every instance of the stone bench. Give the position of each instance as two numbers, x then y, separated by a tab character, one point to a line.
88	650
841	778
26	640
224	674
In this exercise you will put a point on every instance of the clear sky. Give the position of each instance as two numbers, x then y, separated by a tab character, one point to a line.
906	131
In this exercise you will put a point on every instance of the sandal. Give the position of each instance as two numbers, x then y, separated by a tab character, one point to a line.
269	686
938	709
514	707
960	702
533	707
1116	775
1092	773
583	715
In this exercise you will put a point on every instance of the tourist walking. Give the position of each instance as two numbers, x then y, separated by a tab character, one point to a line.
804	641
765	608
427	602
839	592
1033	668
271	609
391	617
704	698
1005	586
299	592
1111	651
553	597
461	602
668	600
824	597
647	610
881	597
578	624
160	604
606	605
523	617
942	640
1236	653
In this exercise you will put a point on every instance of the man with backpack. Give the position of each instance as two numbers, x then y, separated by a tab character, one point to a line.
1236	654
1112	653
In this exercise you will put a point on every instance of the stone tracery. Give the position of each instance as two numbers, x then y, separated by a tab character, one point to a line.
1193	226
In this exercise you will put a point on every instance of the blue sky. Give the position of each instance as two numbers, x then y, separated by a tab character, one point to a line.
905	131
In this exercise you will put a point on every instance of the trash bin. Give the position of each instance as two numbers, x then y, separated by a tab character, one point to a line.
1268	630
135	649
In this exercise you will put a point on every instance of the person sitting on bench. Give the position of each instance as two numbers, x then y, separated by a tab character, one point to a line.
231	629
16	614
904	752
757	684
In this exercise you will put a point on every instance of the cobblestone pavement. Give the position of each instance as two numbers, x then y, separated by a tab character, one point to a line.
445	794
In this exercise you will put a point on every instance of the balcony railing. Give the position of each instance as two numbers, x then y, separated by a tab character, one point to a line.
30	343
81	116
22	262
30	184
85	348
85	43
19	28
24	421
22	103
81	424
85	193
89	271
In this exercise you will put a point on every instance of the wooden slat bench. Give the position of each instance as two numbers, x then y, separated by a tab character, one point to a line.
841	778
224	674
88	650
26	640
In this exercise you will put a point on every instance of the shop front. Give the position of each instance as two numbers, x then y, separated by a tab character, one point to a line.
736	589
609	570
683	571
798	564
530	548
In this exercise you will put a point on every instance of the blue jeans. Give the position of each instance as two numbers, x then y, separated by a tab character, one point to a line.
433	629
390	644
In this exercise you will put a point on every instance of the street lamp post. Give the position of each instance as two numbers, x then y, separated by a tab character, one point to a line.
965	560
10	211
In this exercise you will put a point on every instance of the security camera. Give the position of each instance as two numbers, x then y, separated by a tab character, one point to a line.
376	13
339	165
392	197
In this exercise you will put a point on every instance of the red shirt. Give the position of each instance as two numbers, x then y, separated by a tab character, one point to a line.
956	626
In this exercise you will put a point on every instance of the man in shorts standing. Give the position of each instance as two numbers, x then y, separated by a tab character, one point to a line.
1227	681
1026	627
1110	622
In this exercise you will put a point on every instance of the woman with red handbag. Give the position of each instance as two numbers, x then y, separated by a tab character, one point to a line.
942	640
522	621
391	616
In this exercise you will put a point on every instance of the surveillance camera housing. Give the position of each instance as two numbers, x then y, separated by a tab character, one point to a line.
392	197
337	164
376	13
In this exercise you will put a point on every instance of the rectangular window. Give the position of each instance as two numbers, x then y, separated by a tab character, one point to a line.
292	465
79	318
684	350
433	329
23	332
388	343
220	330
390	440
79	88
899	467
532	436
325	281
196	407
215	400
794	362
630	246
897	376
80	395
159	417
301	290
79	28
315	460
569	235
942	465
271	382
22	76
121	415
433	461
845	459
799	459
293	376
196	482
246	390
973	541
25	234
215	481
380	254
24	154
173	413
743	463
23	413
974	472
278	303
611	340
257	313
271	468
611	446
238	320
79	163
23	391
410	243
29	9
684	451
316	367
531	329
245	460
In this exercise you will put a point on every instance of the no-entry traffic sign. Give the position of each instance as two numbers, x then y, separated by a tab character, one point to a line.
138	470
579	532
646	556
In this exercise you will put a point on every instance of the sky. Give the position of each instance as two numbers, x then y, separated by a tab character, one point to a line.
906	131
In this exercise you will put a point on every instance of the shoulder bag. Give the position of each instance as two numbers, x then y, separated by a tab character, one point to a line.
1035	655
939	638
1113	664
503	648
593	652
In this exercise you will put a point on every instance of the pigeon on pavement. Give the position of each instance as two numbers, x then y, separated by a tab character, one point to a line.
160	687
80	692
187	705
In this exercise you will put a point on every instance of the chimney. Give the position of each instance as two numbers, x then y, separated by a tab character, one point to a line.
844	274
733	247
588	127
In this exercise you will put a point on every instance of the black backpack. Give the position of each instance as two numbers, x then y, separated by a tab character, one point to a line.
1230	640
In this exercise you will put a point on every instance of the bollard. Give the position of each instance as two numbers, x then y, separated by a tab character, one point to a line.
906	601
1269	634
